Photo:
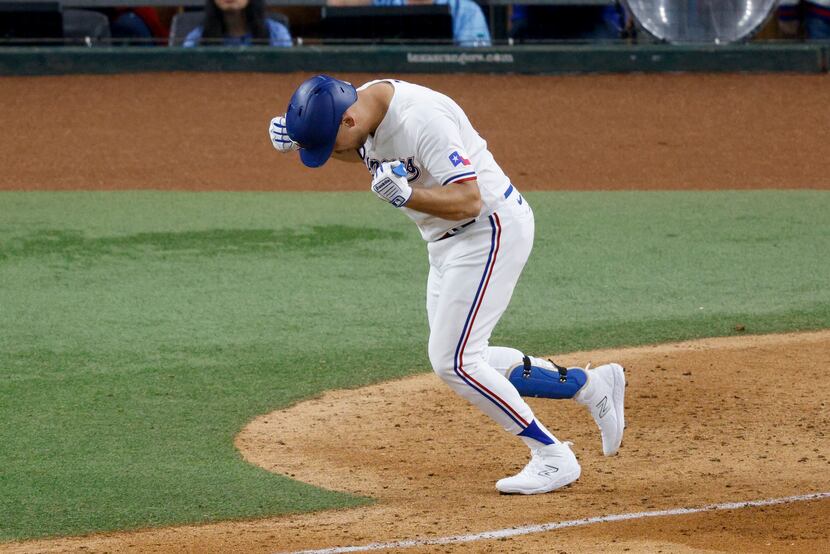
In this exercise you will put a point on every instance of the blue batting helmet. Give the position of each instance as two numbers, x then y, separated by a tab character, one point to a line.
314	115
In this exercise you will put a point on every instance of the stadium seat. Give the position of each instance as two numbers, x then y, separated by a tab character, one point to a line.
80	25
395	23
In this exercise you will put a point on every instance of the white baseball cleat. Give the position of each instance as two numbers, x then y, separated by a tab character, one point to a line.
604	395
551	467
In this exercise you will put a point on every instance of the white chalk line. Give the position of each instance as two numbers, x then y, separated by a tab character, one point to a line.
541	528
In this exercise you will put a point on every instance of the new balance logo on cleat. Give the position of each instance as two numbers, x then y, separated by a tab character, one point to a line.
603	406
548	472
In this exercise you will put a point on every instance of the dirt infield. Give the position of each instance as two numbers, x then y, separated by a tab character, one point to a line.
702	428
711	421
707	423
208	131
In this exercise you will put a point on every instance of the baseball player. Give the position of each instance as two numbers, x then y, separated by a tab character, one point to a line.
427	161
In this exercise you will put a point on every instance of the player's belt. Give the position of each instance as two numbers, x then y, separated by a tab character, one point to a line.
455	230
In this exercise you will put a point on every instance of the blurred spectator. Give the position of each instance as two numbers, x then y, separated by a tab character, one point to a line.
812	18
143	24
469	27
238	23
535	22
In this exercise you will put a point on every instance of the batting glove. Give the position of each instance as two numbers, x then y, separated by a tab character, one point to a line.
279	136
391	185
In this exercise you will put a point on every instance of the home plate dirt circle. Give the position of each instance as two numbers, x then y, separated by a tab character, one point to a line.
712	421
716	421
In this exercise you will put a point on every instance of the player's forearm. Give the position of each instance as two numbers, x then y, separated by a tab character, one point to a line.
455	202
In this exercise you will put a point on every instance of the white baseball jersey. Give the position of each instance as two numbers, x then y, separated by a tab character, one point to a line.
431	135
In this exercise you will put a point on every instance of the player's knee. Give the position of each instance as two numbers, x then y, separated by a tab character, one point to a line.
448	366
441	360
444	372
443	369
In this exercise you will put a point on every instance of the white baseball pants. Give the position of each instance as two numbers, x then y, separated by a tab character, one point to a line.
471	280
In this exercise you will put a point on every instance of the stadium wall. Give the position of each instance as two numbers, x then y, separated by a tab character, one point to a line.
525	59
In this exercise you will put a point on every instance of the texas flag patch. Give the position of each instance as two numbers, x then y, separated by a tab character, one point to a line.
457	159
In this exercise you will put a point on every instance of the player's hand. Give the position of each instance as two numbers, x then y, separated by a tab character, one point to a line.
279	136
391	185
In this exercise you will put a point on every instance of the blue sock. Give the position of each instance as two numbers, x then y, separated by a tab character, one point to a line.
533	431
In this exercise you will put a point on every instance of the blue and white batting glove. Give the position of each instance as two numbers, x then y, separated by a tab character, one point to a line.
391	185
279	136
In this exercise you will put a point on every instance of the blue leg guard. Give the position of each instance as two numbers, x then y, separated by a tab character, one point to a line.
538	382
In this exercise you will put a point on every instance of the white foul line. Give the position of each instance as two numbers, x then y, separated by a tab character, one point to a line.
541	528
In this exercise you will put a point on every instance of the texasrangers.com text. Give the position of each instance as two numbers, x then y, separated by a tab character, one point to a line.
460	59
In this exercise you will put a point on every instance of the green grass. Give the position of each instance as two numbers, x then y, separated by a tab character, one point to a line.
140	331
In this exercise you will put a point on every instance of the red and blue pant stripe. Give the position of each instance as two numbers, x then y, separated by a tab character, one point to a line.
458	361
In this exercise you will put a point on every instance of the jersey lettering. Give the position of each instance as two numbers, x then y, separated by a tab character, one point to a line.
412	170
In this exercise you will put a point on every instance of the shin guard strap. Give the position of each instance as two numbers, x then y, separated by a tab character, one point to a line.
563	371
526	367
